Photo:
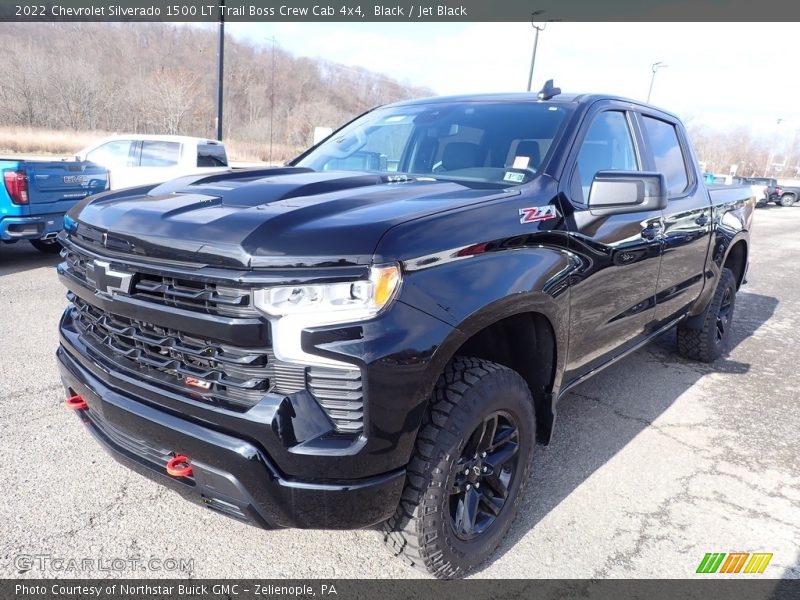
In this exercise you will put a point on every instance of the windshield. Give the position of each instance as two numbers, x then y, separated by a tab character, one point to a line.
487	142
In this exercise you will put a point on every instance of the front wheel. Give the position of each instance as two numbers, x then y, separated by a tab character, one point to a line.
787	200
471	460
47	246
708	336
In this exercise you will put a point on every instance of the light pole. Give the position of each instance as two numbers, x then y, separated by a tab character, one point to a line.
655	67
538	27
220	67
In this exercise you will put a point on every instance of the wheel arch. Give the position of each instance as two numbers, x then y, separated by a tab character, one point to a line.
736	260
529	338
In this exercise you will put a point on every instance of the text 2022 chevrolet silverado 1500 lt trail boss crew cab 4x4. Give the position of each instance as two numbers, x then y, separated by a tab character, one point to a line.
380	332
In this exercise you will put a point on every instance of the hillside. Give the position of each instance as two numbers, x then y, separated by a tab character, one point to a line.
160	78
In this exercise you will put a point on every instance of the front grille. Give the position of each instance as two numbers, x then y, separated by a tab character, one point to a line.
208	298
208	371
236	378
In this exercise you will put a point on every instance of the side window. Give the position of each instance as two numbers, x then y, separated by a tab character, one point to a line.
608	146
160	154
111	154
667	153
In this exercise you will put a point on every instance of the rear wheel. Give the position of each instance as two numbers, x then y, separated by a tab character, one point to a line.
471	460
47	246
787	200
708	336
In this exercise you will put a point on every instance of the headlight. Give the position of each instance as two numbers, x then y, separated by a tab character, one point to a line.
332	302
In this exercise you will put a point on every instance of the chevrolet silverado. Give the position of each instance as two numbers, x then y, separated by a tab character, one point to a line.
379	332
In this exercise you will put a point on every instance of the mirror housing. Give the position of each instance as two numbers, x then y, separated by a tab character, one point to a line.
616	192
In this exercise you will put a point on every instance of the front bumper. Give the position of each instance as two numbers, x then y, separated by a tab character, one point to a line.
30	228
230	475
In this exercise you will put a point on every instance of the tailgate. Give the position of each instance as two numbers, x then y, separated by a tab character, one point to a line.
56	181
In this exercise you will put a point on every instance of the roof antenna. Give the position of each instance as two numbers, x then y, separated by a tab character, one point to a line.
548	91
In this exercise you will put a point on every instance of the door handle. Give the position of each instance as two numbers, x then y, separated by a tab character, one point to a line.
702	220
651	231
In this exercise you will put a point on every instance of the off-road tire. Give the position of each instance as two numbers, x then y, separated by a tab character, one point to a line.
422	531
787	200
700	339
46	246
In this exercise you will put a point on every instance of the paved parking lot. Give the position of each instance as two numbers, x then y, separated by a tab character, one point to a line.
655	462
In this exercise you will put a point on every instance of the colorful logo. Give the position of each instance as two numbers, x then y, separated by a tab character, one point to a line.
734	562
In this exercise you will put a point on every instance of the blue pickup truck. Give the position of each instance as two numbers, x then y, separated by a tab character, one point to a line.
36	193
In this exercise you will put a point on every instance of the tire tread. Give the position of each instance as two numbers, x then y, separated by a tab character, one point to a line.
405	532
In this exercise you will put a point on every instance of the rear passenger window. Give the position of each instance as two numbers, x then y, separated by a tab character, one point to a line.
211	155
608	146
667	153
160	154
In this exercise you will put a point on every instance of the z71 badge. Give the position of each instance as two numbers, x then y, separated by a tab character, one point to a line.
537	213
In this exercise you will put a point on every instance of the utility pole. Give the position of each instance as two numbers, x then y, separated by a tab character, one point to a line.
538	27
771	155
220	67
655	67
272	100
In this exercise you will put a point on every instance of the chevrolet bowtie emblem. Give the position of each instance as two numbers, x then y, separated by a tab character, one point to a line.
106	280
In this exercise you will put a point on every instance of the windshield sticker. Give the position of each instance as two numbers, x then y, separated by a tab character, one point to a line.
514	177
522	162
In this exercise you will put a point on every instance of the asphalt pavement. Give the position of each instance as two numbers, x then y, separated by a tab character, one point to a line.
655	462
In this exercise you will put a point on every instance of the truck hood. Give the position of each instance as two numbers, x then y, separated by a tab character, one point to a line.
281	217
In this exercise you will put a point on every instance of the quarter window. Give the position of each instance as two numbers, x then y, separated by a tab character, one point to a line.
667	153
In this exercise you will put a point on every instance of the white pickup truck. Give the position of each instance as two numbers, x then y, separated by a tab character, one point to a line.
144	159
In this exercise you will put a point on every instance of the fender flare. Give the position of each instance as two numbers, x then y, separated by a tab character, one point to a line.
504	308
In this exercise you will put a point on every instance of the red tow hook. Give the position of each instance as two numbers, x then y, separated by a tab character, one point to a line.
76	402
179	466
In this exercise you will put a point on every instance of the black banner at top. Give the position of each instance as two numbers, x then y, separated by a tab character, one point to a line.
412	11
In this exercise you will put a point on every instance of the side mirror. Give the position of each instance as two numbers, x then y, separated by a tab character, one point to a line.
616	192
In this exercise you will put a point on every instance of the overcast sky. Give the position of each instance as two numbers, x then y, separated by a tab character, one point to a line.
722	74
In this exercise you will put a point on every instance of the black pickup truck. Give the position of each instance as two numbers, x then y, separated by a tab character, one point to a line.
380	331
783	195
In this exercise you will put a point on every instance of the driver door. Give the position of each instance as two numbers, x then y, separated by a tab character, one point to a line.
612	299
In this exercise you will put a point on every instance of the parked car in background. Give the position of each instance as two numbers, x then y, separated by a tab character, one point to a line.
146	159
784	195
35	195
761	188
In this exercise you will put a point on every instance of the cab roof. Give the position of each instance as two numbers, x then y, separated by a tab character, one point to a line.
565	98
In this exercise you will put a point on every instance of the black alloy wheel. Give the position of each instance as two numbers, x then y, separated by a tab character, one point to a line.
724	315
483	475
